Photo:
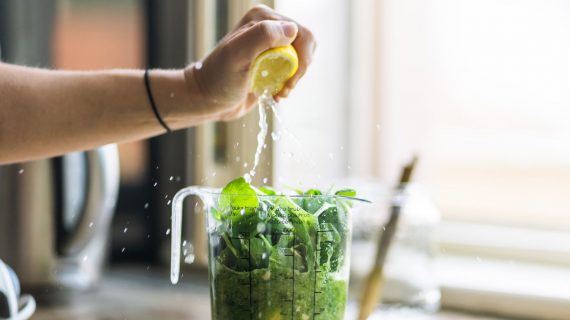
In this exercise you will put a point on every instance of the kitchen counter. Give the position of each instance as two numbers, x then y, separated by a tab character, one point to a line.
132	293
126	294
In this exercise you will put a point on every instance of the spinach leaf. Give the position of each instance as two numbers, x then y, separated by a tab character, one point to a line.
268	191
346	192
238	194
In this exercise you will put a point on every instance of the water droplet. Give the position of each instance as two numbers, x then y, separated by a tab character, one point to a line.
479	259
264	146
261	227
198	65
378	126
243	125
156	167
20	171
171	178
214	174
238	159
184	243
290	154
172	95
237	145
168	231
264	256
264	73
123	250
331	155
165	197
265	180
147	268
168	202
91	224
148	236
341	148
146	205
189	259
178	179
275	136
125	230
348	167
189	256
245	165
155	184
242	212
84	258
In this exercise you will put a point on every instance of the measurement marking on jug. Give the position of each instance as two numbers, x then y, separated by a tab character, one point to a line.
316	291
293	280
249	282
289	253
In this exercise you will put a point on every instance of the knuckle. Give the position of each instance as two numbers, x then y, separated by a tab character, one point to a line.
258	9
265	29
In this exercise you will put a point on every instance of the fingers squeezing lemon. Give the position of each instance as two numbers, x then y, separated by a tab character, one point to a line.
272	68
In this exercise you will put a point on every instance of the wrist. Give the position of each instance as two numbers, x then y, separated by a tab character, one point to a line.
205	103
179	102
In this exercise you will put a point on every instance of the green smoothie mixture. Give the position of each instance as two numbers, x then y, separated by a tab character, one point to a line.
274	256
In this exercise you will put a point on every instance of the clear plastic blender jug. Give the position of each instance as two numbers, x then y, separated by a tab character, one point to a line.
273	256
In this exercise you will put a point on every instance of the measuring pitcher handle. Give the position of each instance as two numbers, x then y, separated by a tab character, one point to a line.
177	202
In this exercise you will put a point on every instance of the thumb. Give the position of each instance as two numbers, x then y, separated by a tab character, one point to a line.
264	35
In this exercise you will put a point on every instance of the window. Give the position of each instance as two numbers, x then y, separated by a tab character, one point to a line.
480	91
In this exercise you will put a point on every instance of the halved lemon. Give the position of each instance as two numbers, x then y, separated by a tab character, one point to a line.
272	68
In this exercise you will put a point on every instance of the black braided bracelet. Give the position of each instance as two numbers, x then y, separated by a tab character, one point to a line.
152	104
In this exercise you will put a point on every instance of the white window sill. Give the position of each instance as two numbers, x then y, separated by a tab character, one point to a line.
474	278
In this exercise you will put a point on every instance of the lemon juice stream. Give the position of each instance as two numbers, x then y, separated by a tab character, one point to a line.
264	102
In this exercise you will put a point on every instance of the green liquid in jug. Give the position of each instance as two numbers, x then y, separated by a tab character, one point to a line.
279	257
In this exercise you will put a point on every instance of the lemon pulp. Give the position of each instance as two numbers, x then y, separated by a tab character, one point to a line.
272	68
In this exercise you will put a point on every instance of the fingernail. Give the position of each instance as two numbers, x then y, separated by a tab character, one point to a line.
289	29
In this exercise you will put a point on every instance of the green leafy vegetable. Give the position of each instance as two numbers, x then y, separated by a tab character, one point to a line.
268	191
346	193
238	194
274	251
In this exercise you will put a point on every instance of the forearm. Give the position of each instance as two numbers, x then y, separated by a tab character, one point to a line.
47	113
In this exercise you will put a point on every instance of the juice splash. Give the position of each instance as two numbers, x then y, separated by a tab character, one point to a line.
264	102
267	105
269	72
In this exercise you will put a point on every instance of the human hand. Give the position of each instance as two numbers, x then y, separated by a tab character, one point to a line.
221	80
